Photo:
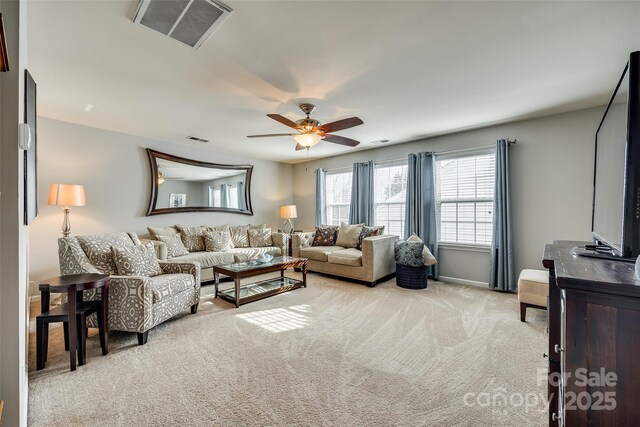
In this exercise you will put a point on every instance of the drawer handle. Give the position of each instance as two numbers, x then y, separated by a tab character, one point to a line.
556	417
557	348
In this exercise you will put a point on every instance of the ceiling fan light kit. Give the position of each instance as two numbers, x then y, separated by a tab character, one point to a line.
311	131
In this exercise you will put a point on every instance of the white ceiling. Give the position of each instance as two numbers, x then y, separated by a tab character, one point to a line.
407	69
183	172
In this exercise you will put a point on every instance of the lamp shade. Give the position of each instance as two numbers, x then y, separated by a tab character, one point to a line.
288	211
307	139
66	195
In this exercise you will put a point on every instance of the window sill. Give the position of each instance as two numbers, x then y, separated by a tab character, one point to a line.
463	247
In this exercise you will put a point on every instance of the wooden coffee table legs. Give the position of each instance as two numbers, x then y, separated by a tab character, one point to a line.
236	282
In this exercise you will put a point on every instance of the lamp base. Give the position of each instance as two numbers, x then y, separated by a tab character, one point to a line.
66	223
288	226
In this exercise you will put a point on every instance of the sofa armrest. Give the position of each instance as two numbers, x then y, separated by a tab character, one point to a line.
159	247
178	267
130	303
301	240
378	256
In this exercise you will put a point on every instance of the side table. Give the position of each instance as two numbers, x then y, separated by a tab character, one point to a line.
73	285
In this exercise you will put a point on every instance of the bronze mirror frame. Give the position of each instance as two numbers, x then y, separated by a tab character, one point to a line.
153	210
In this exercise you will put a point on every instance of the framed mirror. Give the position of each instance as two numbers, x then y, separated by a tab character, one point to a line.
184	185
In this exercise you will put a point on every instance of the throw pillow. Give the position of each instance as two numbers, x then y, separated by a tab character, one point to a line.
219	228
137	260
259	226
429	259
409	253
240	236
192	231
175	247
260	237
348	235
218	241
369	232
325	235
193	243
156	232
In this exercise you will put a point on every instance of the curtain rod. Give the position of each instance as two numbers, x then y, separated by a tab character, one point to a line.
437	153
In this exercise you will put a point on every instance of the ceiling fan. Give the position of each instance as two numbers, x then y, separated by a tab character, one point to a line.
311	131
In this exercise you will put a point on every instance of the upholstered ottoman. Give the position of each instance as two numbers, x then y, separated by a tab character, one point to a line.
533	290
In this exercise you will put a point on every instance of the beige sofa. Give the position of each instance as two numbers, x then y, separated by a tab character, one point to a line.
374	262
209	259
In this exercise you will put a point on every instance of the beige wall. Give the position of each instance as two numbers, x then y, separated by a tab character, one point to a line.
551	177
114	169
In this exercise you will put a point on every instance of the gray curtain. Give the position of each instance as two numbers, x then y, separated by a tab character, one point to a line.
420	210
321	197
362	208
501	275
224	196
241	201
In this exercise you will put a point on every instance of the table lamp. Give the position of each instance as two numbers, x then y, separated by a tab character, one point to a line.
288	212
66	195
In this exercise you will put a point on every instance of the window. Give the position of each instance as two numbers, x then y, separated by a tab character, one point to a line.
214	196
465	198
390	188
338	188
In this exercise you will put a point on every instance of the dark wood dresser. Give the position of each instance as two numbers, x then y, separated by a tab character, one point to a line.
594	339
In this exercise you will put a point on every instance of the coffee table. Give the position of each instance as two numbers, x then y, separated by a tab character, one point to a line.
242	294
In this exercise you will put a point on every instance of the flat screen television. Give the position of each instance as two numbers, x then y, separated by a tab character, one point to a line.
615	222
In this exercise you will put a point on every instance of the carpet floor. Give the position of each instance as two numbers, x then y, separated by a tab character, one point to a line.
334	353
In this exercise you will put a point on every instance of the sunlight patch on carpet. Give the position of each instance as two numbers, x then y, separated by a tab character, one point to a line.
278	319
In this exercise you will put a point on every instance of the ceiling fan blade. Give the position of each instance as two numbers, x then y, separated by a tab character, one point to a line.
341	140
341	125
300	147
284	120
271	134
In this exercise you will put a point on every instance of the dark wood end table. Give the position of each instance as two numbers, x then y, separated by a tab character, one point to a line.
73	285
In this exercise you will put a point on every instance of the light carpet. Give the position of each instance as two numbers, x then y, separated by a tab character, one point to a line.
334	353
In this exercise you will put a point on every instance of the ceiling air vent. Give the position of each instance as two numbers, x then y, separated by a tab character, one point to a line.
195	138
188	21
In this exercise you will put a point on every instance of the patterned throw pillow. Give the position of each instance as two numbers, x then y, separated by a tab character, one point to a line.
260	237
409	253
348	235
429	259
219	228
369	232
240	236
259	226
325	235
193	243
218	241
154	232
193	237
137	260
175	247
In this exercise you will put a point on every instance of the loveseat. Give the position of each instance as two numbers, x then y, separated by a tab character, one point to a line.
370	264
136	303
209	259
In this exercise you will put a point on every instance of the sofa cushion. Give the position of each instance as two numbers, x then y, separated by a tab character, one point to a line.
429	259
240	236
260	237
156	232
319	253
208	259
349	256
167	285
97	247
325	235
409	253
137	260
175	247
369	232
348	235
218	241
247	254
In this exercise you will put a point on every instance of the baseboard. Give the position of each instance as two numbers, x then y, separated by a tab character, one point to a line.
463	282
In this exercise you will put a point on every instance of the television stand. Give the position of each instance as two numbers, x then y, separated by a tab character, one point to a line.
601	252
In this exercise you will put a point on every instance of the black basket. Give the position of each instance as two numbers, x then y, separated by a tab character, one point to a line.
411	277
